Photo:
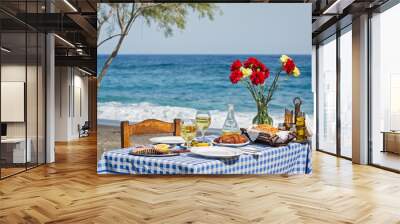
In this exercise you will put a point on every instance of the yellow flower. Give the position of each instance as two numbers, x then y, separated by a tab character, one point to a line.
284	58
296	72
246	71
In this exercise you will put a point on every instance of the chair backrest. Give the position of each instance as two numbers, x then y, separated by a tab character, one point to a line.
151	126
86	125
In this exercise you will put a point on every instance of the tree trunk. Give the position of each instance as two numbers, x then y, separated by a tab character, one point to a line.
110	59
125	32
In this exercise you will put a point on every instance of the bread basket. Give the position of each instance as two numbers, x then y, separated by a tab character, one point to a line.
282	138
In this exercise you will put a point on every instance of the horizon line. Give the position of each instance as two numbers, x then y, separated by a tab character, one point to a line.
167	54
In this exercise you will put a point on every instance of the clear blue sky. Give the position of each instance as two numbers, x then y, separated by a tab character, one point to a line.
246	28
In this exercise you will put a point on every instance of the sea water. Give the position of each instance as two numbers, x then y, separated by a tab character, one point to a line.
165	87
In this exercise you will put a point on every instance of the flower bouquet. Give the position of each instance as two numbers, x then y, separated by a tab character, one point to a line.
253	74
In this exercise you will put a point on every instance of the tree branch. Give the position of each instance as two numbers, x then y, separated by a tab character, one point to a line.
119	18
101	20
115	51
109	38
166	16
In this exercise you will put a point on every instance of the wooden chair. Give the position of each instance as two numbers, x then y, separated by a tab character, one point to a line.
151	126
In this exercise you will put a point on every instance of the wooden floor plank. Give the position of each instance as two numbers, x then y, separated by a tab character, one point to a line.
70	191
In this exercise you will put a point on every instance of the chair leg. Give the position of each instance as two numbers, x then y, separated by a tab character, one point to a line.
125	133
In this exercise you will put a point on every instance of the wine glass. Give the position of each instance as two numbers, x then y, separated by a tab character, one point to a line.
188	131
203	122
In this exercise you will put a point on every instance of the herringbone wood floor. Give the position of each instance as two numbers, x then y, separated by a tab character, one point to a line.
70	191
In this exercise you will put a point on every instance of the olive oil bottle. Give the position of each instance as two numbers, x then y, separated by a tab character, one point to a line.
230	125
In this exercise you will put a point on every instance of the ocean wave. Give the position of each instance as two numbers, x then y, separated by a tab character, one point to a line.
135	112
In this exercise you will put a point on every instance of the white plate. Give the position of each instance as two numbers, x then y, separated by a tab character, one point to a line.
167	140
216	151
231	145
154	155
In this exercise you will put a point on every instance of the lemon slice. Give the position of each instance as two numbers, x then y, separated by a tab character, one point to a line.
164	148
202	144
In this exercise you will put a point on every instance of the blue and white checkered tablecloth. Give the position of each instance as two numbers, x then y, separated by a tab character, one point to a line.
292	159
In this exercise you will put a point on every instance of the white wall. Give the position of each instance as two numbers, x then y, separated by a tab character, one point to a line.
71	87
17	72
80	110
33	126
62	81
12	73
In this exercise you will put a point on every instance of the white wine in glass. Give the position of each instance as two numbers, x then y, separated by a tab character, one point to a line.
188	131
203	122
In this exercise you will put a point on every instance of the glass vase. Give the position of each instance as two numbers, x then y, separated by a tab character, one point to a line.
262	116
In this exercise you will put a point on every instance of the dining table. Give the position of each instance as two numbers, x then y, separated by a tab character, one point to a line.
291	159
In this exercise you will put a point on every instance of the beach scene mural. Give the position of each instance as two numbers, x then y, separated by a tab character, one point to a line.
170	86
172	66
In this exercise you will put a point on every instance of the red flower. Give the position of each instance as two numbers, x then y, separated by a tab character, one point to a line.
266	72
236	65
289	66
236	76
258	77
262	67
251	62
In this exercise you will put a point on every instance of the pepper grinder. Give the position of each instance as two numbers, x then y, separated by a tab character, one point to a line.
297	104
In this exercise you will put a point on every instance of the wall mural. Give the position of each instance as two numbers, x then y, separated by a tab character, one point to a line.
204	88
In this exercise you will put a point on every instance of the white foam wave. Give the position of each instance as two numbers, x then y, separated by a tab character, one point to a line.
140	111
